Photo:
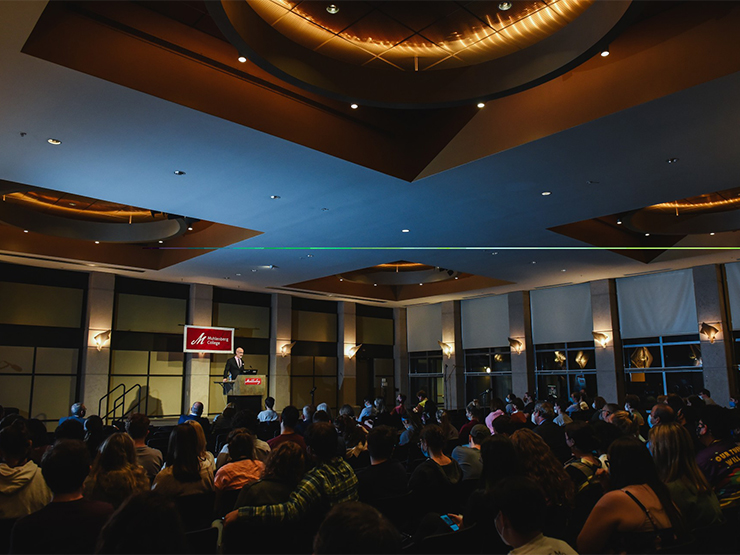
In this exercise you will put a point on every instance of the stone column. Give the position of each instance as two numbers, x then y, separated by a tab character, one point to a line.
346	339
610	359
400	353
98	319
712	308
454	366
281	319
198	365
520	328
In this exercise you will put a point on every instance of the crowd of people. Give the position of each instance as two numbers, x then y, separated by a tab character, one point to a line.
576	475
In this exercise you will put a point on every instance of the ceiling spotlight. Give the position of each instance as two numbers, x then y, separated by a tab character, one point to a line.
481	105
504	6
375	284
179	172
562	270
332	9
354	106
534	262
420	284
711	233
242	59
619	221
72	204
494	253
238	274
457	277
254	270
309	256
25	231
341	279
53	142
160	242
647	235
190	229
672	160
274	197
605	52
546	193
97	242
272	266
404	231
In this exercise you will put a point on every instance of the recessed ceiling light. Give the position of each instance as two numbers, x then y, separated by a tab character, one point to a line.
72	204
534	262
160	242
309	256
179	172
238	274
647	235
54	141
354	106
420	284
242	59
672	160
341	279
272	266
711	233
457	277
562	270
254	270
404	231
546	193
375	284
619	222
504	6
25	231
190	229
332	9
274	197
97	242
494	253
605	52
481	105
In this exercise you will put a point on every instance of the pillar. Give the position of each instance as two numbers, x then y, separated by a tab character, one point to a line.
454	366
712	308
346	367
98	319
401	353
520	328
281	321
609	359
198	365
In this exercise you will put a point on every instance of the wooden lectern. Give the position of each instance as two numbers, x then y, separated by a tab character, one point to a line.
246	392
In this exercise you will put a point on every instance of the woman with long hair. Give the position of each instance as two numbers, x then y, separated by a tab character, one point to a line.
673	453
115	475
242	469
637	514
450	432
540	464
206	458
183	473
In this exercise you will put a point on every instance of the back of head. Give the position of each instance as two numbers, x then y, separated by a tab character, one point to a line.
434	437
241	444
65	466
270	402
14	441
116	452
380	442
289	416
200	435
503	425
78	409
145	523
675	402
380	404
37	432
137	425
308	412
321	416
522	502
347	410
286	463
539	463
673	452
633	401
622	420
582	435
599	403
518	403
717	420
355	527
500	460
197	408
94	425
630	463
70	429
322	440
182	453
544	410
664	412
246	418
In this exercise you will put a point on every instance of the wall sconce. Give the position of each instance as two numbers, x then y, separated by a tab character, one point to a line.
446	349
582	359
488	370
708	331
101	339
516	345
601	338
352	351
285	349
560	359
642	358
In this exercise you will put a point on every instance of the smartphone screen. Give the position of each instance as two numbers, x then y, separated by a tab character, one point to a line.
448	521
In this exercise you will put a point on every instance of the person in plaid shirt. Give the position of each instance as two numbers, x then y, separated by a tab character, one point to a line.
330	482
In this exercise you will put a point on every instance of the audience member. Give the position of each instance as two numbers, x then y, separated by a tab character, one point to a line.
207	461
321	416
632	406
385	477
355	443
474	416
448	430
77	413
269	414
145	523
435	481
412	427
673	453
706	397
582	468
554	436
720	458
283	471
94	435
70	523
150	459
517	412
39	439
383	416
224	422
242	469
115	474
325	408
561	418
196	413
607	410
469	456
368	410
347	410
421	397
288	421
306	419
400	408
622	420
70	429
502	426
22	487
660	414
183	474
356	528
245	419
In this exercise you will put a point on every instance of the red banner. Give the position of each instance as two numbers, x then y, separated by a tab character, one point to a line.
198	339
252	381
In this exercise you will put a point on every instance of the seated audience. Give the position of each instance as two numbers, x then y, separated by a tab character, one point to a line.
632	406
76	413
269	414
183	473
325	408
94	435
196	413
468	456
474	415
580	438
383	416
70	523
245	419
660	414
283	471
70	429
368	411
145	523
400	408
39	439
720	458
385	477
607	410
517	412
242	469
22	487
673	453
637	515
207	461
435	482
224	422
622	420
355	442
561	418
449	431
115	475
288	422
150	459
412	428
520	518
356	528
553	435
306	419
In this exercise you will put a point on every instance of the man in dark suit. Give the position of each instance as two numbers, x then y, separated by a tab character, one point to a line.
554	435
234	365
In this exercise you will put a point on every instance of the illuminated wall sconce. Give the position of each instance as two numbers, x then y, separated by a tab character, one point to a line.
285	349
516	345
600	338
446	349
101	339
498	357
709	331
582	359
560	359
352	351
641	358
488	369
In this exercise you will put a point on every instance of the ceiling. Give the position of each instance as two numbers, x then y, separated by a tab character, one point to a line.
146	91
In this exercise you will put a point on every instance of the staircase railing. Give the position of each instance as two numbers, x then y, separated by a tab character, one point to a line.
119	402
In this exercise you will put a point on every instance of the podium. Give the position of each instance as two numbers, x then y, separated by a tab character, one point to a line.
245	392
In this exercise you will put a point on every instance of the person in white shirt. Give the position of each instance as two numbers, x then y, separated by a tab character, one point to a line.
268	415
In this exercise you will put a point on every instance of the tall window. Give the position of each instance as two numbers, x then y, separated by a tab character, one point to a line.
375	368
487	374
661	365
426	372
562	368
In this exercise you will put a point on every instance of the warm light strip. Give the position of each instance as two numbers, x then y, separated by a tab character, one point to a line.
683	205
88	211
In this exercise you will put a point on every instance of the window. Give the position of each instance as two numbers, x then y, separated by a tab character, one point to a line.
661	365
487	374
562	368
426	372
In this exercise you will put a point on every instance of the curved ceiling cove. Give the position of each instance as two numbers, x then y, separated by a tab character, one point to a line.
418	54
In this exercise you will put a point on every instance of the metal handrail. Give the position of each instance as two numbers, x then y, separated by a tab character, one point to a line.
120	401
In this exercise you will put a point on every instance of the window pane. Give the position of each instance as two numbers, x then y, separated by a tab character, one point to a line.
153	314
40	305
682	355
581	359
326	391
644	384
172	364
52	397
16	360
637	353
551	360
16	392
250	321
165	396
477	362
583	381
129	362
552	385
684	383
56	361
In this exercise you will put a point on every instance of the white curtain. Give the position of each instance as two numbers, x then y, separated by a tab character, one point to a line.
562	314
657	304
424	327
485	322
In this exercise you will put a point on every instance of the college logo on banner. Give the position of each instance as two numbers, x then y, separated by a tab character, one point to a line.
198	339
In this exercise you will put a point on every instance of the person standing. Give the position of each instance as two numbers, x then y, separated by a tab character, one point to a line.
234	365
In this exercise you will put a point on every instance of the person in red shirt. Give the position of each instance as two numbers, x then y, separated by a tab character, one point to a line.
288	421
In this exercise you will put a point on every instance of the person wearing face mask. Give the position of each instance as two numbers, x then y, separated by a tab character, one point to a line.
436	481
661	414
542	417
720	458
